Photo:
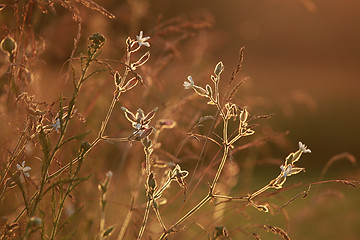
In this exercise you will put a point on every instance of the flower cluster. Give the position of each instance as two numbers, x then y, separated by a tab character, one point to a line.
289	168
141	40
140	122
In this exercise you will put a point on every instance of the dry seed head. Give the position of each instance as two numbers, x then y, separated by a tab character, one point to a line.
97	40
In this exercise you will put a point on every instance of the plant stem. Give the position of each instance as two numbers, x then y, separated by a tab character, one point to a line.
146	215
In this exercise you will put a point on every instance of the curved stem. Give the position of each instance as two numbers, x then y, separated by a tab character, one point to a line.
146	215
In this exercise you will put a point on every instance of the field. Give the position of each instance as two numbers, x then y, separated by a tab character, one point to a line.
153	119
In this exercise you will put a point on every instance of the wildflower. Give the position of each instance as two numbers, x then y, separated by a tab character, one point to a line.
21	168
142	40
290	170
188	84
56	125
304	148
286	171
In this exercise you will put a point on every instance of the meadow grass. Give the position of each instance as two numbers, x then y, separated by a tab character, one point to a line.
168	173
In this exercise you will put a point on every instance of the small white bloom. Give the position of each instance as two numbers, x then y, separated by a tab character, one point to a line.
23	169
56	125
188	84
286	170
109	174
304	148
142	40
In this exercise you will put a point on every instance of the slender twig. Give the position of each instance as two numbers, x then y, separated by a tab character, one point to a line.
146	215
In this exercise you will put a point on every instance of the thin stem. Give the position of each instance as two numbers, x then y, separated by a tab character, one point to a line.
126	222
230	198
188	214
221	166
111	108
158	193
147	151
157	213
146	215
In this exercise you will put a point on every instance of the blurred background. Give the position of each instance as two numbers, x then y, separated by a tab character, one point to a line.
301	64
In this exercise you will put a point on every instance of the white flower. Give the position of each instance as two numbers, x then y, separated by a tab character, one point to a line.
286	171
304	148
23	169
56	125
188	84
142	40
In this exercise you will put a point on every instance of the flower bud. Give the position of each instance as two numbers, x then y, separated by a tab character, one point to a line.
34	223
244	115
209	90
117	78
97	40
219	68
151	182
165	123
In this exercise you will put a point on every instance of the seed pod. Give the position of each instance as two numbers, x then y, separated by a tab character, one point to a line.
219	68
244	115
117	79
151	182
200	91
144	58
150	116
209	90
296	156
289	158
130	84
